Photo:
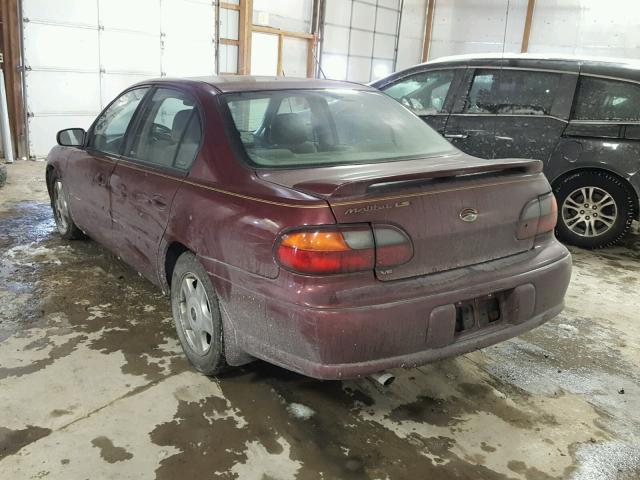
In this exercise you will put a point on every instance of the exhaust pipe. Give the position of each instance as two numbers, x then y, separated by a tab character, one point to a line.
383	378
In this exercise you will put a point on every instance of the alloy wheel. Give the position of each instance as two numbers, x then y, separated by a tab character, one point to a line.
589	211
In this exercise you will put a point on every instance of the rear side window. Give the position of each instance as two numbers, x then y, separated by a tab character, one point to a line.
600	99
111	126
169	132
424	93
514	92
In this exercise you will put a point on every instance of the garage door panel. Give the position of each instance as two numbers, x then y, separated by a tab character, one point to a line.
77	92
142	52
138	15
338	12
386	21
48	46
199	16
79	12
43	129
359	69
294	57
336	39
361	43
384	46
181	57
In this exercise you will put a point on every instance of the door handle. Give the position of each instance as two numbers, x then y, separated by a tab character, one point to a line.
506	139
100	180
455	135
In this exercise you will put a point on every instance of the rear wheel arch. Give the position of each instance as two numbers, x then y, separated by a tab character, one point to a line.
173	252
556	182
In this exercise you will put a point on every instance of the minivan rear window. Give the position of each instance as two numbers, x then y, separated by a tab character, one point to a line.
601	99
297	128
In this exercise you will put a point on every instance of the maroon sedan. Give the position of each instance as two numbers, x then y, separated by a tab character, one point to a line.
317	225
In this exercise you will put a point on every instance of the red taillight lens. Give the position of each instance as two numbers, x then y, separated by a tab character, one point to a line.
325	251
342	249
538	216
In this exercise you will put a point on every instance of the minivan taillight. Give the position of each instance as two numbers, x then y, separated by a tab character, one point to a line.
342	249
538	216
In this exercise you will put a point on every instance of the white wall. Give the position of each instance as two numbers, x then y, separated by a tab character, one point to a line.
587	27
581	27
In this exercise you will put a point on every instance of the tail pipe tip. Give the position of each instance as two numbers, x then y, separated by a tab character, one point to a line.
383	378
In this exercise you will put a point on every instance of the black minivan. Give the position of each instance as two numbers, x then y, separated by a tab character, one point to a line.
580	116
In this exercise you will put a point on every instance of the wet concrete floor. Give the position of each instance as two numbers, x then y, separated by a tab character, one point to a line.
93	383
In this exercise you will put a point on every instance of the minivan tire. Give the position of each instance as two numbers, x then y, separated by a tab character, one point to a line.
195	308
601	181
67	228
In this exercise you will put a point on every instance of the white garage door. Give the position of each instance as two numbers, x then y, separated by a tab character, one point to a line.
360	39
80	54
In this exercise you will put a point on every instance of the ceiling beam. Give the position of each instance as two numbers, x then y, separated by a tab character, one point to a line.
527	26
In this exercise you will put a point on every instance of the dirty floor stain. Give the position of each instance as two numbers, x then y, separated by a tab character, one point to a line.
93	383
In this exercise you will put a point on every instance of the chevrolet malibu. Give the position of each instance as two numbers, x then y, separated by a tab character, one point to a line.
317	225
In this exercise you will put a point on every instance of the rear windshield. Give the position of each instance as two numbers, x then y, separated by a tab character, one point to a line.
298	128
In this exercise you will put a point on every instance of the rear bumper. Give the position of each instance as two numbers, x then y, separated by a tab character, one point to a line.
396	324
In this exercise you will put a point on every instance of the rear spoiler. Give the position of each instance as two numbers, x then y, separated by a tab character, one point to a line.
395	182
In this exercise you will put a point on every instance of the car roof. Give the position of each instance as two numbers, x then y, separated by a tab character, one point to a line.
620	68
536	56
248	83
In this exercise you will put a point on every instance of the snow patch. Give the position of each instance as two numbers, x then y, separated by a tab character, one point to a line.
300	411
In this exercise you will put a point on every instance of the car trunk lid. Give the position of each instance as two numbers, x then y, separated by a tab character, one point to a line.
458	210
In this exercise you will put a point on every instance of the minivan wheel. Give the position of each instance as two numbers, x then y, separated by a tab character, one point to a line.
595	210
197	316
65	224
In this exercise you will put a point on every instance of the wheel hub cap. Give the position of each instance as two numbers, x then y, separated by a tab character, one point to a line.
589	211
196	320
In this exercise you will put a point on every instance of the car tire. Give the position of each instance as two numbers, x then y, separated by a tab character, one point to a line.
197	317
61	213
595	209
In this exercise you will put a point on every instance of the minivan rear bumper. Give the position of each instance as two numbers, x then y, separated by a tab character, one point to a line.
354	341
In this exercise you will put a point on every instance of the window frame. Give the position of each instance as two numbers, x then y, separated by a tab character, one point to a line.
499	70
574	106
446	104
136	125
89	147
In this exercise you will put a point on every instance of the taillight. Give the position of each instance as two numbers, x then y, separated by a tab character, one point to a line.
342	249
538	216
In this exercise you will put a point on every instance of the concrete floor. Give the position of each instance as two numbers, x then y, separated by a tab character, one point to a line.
93	383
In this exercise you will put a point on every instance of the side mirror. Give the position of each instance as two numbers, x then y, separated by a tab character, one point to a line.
71	137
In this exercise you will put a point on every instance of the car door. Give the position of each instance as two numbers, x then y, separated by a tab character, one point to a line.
533	108
158	154
89	170
426	93
471	124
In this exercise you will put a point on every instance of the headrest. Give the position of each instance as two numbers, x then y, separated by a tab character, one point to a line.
180	123
288	129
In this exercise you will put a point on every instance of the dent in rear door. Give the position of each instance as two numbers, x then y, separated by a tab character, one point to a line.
471	125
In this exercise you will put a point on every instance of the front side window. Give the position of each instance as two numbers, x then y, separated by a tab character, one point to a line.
512	92
111	126
299	128
600	99
169	131
424	93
